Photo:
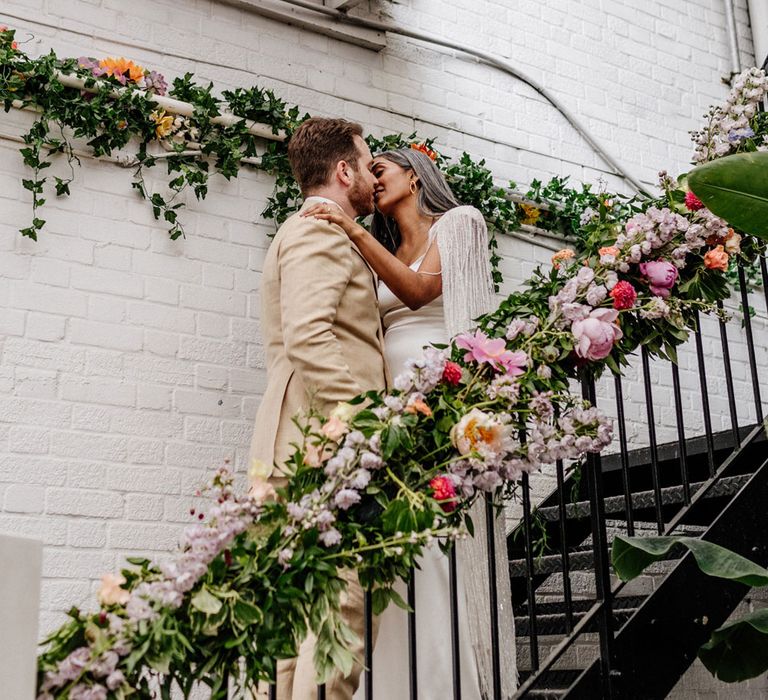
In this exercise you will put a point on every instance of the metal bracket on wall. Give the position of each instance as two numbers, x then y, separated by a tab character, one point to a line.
309	19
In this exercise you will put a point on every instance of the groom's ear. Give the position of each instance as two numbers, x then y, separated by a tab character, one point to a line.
343	173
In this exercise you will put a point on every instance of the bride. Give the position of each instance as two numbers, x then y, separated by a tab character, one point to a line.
431	257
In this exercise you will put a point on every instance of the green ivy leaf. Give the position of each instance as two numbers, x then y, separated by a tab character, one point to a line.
206	602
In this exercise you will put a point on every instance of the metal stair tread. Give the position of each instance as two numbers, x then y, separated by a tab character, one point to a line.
645	499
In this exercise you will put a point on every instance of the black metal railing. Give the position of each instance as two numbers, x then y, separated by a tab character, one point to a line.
566	593
653	489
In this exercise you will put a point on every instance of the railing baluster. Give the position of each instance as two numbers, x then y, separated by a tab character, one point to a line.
455	655
750	345
533	636
412	660
704	396
600	551
564	557
321	692
764	275
729	380
681	448
652	438
368	646
624	452
490	523
273	688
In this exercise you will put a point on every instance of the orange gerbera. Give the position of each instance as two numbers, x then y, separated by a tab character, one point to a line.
122	67
426	150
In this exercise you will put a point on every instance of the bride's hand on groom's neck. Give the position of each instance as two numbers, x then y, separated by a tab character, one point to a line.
336	215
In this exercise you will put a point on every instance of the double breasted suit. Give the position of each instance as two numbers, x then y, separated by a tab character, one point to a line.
323	337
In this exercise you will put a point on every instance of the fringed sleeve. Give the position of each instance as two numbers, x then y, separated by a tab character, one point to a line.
462	240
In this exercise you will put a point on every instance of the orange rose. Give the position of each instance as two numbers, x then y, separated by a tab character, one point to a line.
716	259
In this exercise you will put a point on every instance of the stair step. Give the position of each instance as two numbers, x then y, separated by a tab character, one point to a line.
551	617
646	499
579	559
553	684
579	606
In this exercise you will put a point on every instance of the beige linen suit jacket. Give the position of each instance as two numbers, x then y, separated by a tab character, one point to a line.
321	328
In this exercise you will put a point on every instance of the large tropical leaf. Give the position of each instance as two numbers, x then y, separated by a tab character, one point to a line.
631	555
739	650
736	189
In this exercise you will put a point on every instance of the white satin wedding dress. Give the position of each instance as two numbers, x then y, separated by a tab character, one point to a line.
462	243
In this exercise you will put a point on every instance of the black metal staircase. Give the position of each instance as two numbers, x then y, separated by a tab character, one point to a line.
565	628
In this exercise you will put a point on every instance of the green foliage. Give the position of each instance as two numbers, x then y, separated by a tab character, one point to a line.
738	650
736	189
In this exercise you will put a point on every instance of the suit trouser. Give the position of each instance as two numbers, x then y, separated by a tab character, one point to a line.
296	677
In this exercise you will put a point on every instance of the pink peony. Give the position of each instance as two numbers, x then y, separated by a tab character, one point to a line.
444	491
596	335
623	295
661	276
693	202
493	351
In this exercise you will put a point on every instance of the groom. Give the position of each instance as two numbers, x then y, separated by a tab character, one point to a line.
321	328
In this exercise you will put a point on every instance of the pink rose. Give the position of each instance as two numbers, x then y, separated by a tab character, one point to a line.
661	276
334	428
596	334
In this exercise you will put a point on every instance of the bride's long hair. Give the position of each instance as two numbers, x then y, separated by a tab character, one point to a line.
434	197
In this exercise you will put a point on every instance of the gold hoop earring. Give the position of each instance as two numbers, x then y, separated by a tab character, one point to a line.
412	186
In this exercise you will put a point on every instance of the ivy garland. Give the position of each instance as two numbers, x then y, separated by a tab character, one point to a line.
117	106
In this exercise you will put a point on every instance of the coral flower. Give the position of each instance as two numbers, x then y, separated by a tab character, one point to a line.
418	406
562	255
609	250
692	202
493	351
716	259
478	432
444	491
426	150
623	295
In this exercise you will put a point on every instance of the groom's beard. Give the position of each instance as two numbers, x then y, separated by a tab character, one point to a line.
361	197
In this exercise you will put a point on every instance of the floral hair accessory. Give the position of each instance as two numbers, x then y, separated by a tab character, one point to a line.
426	150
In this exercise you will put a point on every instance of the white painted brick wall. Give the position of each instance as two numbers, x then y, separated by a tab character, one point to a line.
132	365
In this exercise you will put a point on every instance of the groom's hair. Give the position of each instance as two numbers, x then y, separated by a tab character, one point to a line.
317	146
